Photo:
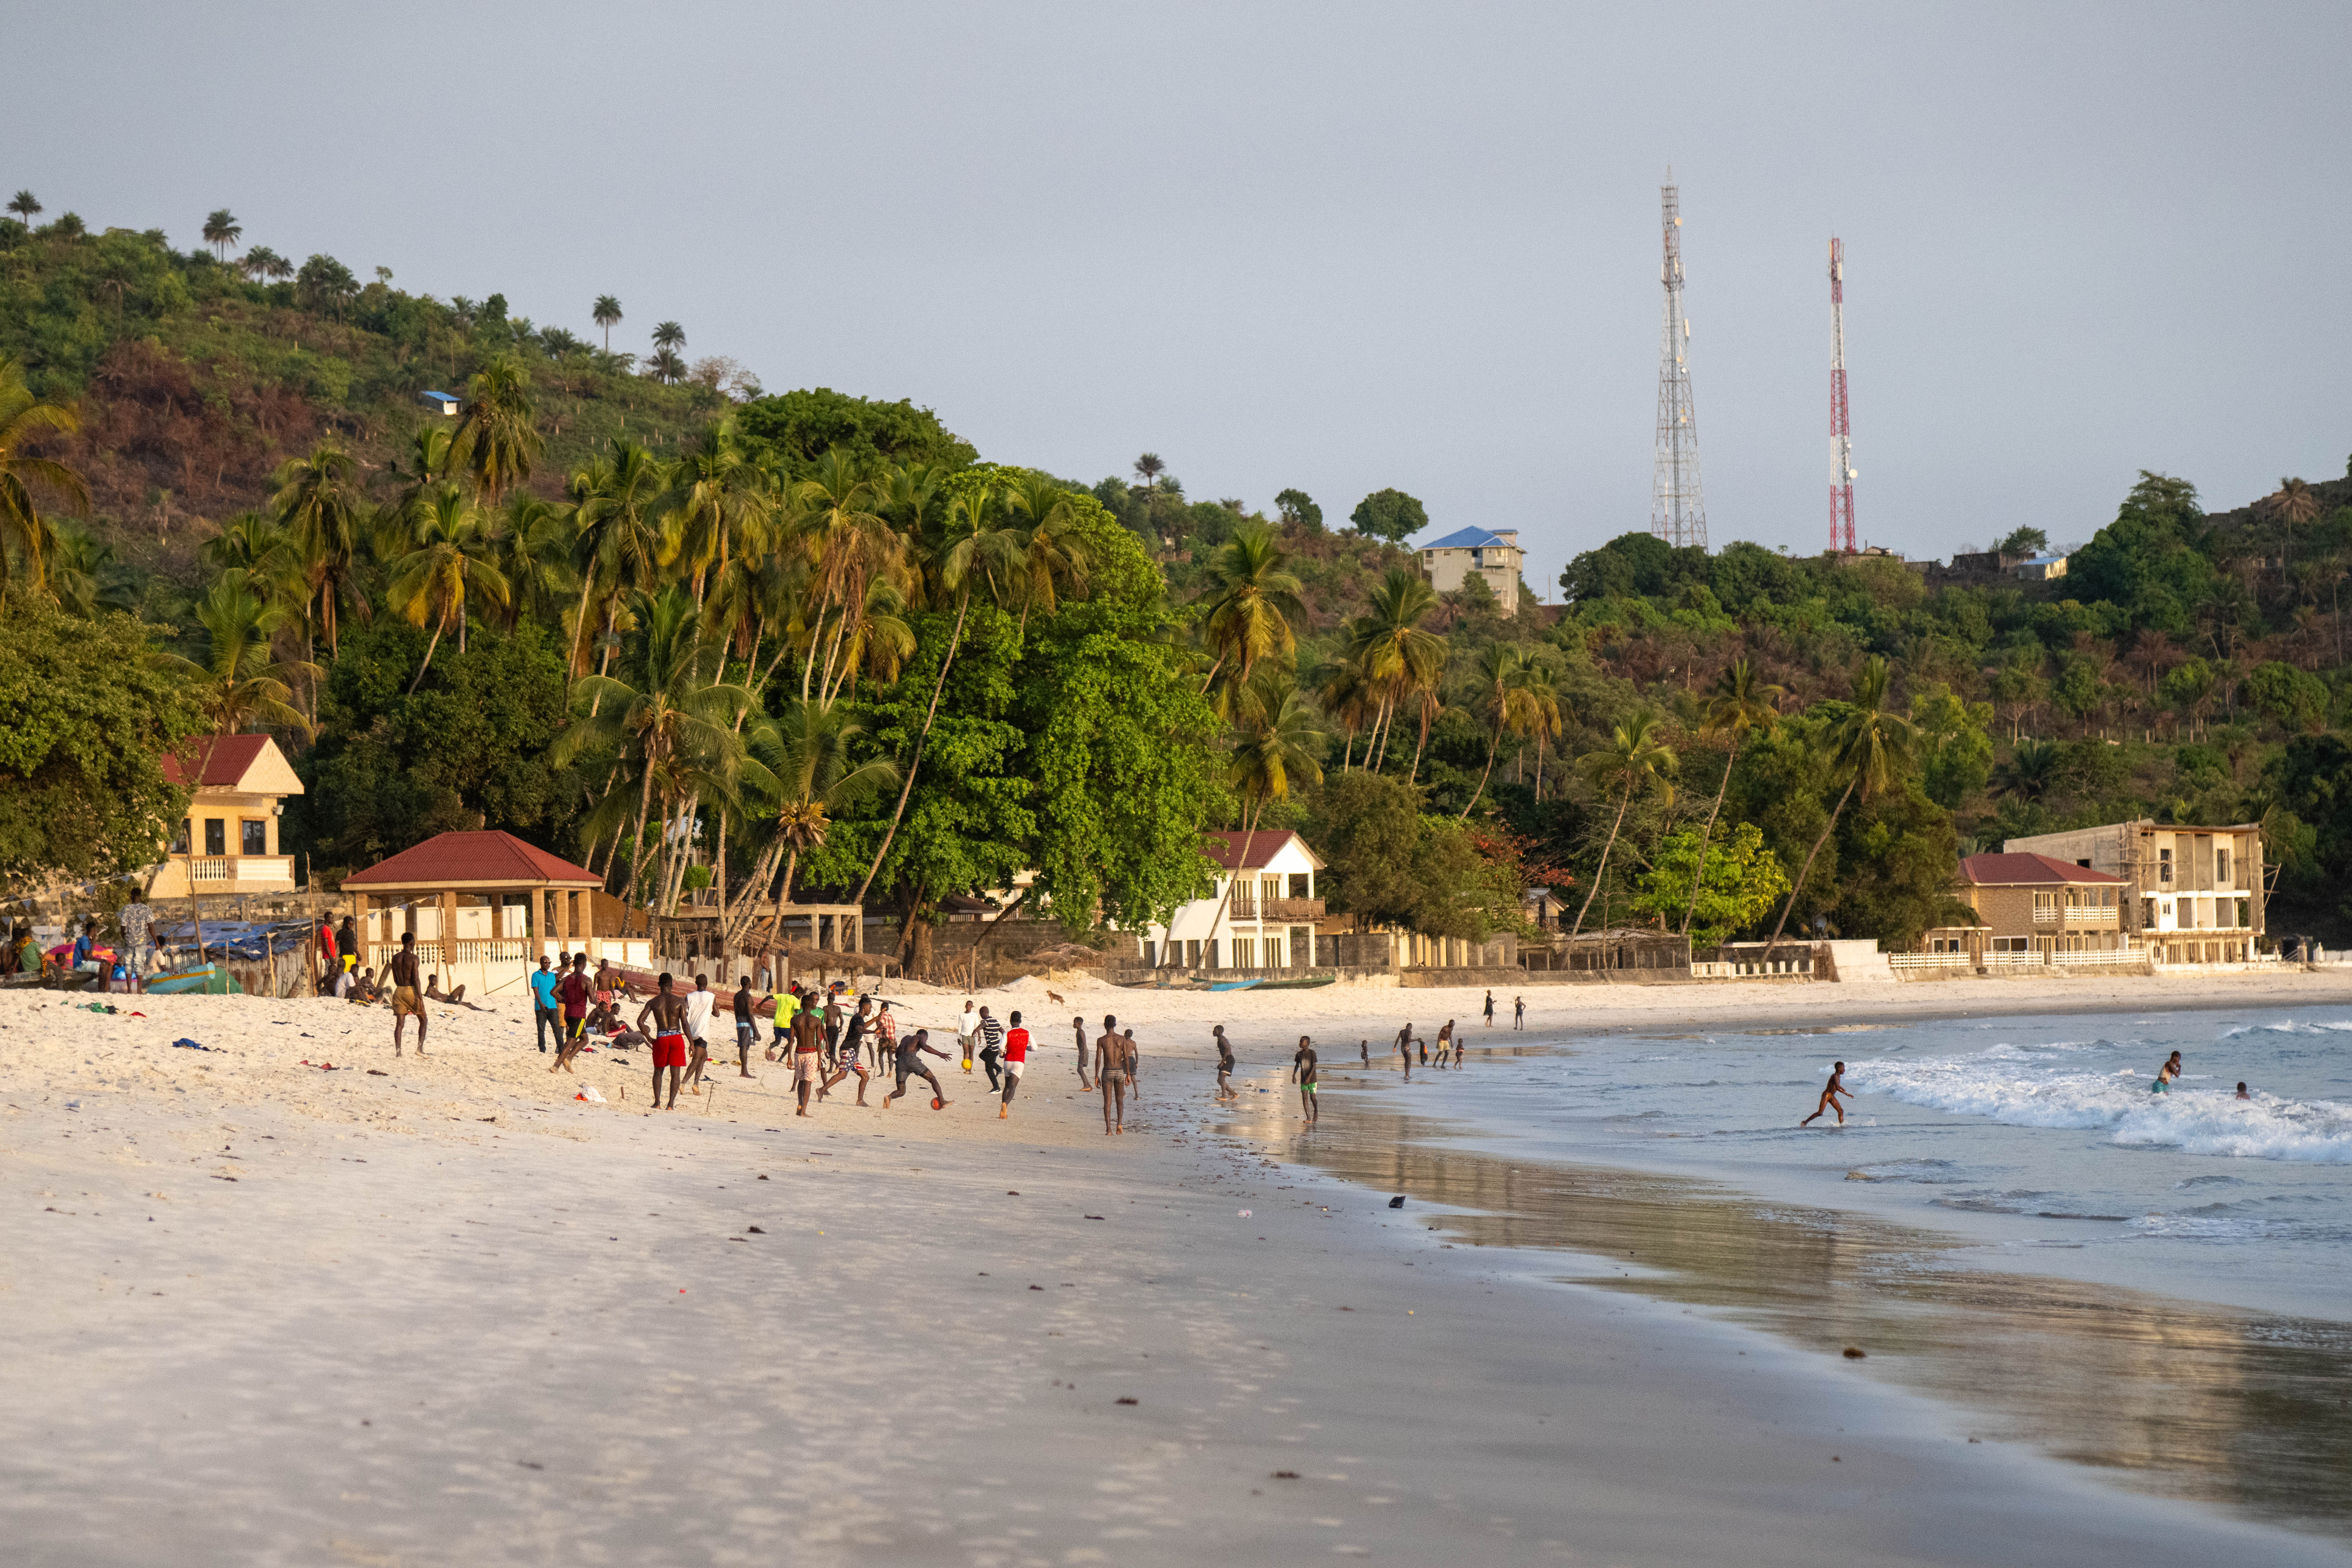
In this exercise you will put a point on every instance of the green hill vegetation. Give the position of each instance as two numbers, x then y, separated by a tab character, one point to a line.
840	652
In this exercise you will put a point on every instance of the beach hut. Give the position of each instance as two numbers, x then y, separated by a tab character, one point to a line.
484	906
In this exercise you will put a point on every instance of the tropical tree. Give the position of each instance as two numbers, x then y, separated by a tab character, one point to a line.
607	313
27	536
1740	704
25	206
1634	761
666	366
849	543
1543	711
84	578
1869	745
616	497
2295	505
1252	606
496	441
1053	553
2031	771
718	506
812	750
670	336
1347	697
1147	468
533	539
1400	658
1278	746
450	553
241	683
1501	683
316	501
222	230
262	262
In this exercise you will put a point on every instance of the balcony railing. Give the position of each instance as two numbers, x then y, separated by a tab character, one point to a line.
263	871
1245	908
2076	917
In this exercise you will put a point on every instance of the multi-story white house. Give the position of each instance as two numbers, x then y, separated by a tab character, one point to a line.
227	842
1476	551
1269	922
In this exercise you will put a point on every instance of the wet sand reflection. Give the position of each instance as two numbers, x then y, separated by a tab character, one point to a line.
2228	1407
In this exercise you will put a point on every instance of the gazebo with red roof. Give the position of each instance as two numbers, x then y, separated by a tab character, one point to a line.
484	906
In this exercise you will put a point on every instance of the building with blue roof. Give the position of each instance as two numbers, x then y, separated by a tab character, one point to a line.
1486	553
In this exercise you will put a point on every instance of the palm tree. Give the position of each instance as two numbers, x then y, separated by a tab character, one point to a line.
718	504
84	578
1400	659
2292	503
222	230
1502	681
1148	467
666	366
1870	744
24	205
1279	744
670	336
533	541
607	313
1543	711
1634	761
316	503
1054	554
850	543
620	538
450	553
982	546
1740	704
1348	698
1253	602
496	441
242	684
2030	772
265	263
811	751
26	537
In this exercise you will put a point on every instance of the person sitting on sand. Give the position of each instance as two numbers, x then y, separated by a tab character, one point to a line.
1830	1093
456	998
407	998
362	990
669	1014
2166	1074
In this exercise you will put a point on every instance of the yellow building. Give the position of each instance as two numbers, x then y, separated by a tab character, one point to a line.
227	842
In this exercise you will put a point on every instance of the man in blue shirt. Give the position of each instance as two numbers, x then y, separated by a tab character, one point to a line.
542	1004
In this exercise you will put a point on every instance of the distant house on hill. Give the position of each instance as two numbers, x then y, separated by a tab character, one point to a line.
440	402
1492	555
2039	568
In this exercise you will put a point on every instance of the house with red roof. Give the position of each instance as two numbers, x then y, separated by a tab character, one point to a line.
228	841
1266	923
2032	906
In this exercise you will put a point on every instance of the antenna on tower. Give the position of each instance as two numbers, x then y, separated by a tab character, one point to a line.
1677	512
1841	437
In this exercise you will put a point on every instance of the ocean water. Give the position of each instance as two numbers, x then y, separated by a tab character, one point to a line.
2035	1139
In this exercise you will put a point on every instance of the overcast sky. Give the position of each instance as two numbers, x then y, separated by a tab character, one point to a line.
1339	246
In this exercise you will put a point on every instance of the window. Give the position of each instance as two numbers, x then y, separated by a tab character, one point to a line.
2221	867
1245	953
216	835
2244	922
2164	865
256	837
2012	944
1192	954
2106	898
180	839
2148	911
2167	908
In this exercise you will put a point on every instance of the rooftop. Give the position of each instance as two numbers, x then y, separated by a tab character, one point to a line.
2009	870
454	860
232	762
1225	848
1472	539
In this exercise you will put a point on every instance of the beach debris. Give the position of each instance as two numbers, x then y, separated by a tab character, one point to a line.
1126	1401
1245	1214
323	1067
590	1095
1286	1474
1853	1354
1036	1287
187	1045
1397	1202
378	1072
755	1230
1011	1193
763	1178
1094	1216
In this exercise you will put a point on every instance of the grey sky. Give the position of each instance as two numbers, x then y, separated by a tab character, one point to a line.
1337	246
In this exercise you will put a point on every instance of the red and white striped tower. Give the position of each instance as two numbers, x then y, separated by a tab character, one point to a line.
1840	434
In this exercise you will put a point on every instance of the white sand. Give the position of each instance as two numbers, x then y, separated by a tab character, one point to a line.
267	1313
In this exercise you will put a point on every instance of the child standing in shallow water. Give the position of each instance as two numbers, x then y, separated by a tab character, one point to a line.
1830	1093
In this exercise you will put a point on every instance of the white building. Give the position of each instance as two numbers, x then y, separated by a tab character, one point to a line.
1268	923
1476	551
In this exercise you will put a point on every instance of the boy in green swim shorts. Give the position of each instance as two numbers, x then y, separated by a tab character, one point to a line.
1302	1070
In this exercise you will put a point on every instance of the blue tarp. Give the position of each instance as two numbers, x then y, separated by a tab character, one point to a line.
235	939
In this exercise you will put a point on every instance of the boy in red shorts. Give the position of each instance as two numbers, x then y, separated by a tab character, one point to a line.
669	1012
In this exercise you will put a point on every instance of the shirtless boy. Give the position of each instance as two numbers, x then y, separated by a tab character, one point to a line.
910	1053
1111	1060
1078	1027
808	1055
1225	1065
1829	1092
408	998
845	1056
668	1014
1302	1070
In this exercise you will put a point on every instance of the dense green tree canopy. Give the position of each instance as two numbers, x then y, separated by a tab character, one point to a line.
1389	514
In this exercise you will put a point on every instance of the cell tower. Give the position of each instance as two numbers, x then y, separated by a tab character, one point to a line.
1677	512
1841	437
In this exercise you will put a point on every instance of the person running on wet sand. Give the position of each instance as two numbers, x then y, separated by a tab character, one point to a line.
1016	1062
747	1025
407	996
2166	1074
1829	1092
808	1055
910	1053
1404	1048
1078	1027
1518	1012
845	1059
668	1012
1225	1064
1445	1043
1113	1052
1302	1070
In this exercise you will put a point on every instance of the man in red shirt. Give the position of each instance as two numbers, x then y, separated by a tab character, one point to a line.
1016	1062
572	992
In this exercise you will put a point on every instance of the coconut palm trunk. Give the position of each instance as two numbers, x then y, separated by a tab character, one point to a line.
1698	875
1248	833
1807	869
955	641
1601	872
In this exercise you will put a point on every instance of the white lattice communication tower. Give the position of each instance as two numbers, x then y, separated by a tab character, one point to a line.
1678	511
1841	475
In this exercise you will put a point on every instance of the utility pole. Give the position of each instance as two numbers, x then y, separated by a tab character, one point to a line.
1677	512
1840	435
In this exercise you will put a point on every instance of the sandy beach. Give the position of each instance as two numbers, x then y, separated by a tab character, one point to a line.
452	1314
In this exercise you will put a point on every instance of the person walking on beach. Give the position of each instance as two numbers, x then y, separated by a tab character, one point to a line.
407	995
1365	1047
1134	1064
1518	1012
700	1004
1404	1048
1112	1056
1016	1062
668	1014
1302	1070
1445	1043
992	1050
910	1053
2166	1074
544	1018
1829	1092
747	1025
846	1057
1225	1064
1490	1009
966	1033
571	997
1078	1027
808	1055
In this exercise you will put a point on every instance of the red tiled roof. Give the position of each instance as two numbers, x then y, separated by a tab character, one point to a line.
453	859
1225	848
224	759
2007	871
